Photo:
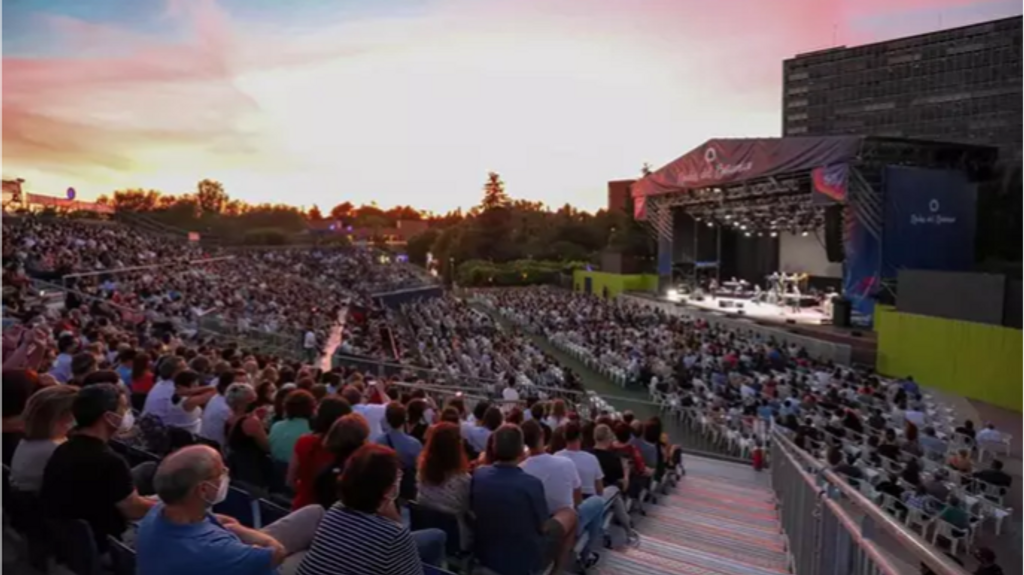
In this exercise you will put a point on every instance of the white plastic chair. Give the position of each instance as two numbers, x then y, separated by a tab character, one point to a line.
917	518
948	532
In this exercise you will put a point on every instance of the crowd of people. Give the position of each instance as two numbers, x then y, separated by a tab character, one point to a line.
460	343
123	372
501	440
908	451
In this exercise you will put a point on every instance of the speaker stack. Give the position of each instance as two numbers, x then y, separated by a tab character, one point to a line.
834	234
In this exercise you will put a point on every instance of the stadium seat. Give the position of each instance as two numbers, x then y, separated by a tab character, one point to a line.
73	545
270	512
423	517
122	557
239	505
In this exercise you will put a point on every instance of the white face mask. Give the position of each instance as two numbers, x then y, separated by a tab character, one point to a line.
222	491
126	423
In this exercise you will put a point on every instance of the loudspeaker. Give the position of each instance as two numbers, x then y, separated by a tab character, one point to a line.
842	309
834	234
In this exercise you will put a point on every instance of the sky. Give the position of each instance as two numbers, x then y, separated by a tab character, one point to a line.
406	102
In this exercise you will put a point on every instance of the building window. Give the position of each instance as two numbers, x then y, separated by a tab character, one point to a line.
796	103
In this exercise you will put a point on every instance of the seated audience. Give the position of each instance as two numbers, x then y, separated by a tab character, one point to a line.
363	534
48	419
562	489
217	412
515	534
299	406
615	476
18	386
85	478
346	436
181	535
311	456
444	476
247	442
994	475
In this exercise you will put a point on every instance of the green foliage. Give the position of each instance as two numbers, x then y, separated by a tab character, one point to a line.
265	237
420	245
479	273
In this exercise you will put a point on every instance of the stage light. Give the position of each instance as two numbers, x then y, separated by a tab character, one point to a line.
805	233
711	224
673	295
748	234
743	227
728	216
775	234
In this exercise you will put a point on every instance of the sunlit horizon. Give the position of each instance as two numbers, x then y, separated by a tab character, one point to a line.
405	102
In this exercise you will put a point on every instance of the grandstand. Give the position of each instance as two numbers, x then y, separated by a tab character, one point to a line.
287	365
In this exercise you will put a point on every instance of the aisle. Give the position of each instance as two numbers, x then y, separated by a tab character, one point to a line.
721	519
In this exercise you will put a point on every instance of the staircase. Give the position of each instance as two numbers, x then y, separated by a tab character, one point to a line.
720	520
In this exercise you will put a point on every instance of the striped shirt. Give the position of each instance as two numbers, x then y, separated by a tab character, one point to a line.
354	543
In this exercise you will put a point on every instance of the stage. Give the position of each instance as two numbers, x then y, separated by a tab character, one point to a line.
757	311
807	324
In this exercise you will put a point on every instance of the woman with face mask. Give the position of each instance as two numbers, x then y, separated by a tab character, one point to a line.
47	422
363	533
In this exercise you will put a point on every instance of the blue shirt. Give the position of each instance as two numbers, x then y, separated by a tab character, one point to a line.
125	373
510	512
207	548
765	412
476	436
61	369
406	446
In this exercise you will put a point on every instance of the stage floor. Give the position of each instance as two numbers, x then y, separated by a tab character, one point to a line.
760	311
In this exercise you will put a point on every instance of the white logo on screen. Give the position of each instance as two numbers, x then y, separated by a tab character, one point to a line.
933	218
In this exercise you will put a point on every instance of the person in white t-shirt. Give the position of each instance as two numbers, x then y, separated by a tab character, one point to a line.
217	411
510	394
587	465
373	413
563	489
309	344
181	404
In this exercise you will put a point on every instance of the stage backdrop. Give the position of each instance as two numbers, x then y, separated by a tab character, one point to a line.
799	254
929	220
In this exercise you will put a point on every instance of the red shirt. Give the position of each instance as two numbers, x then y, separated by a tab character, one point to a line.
143	384
311	457
631	452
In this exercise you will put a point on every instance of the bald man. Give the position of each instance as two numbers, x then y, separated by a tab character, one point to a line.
182	535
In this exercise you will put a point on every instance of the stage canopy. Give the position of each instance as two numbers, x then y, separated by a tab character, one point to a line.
726	162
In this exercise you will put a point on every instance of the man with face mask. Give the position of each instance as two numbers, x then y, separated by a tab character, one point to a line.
85	478
181	534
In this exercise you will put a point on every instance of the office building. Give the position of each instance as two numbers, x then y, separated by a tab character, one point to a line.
956	85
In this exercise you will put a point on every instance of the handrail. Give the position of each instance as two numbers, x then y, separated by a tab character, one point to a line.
939	563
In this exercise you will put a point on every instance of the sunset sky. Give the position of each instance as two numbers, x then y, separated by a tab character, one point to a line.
405	101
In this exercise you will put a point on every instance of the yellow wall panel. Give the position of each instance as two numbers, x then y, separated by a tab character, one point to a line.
969	359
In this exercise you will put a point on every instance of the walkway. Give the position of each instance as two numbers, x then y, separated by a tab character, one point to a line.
721	519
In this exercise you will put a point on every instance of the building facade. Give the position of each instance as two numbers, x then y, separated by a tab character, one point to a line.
956	85
618	195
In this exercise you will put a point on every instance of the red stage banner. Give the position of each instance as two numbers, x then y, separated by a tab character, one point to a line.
727	162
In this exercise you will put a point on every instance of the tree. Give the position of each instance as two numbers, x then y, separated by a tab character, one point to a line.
135	200
420	245
494	193
211	196
314	214
646	170
342	211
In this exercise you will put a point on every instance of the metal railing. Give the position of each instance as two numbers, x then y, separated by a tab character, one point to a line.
833	529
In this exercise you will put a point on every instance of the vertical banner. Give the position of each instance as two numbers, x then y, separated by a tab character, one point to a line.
830	183
930	220
863	260
664	256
